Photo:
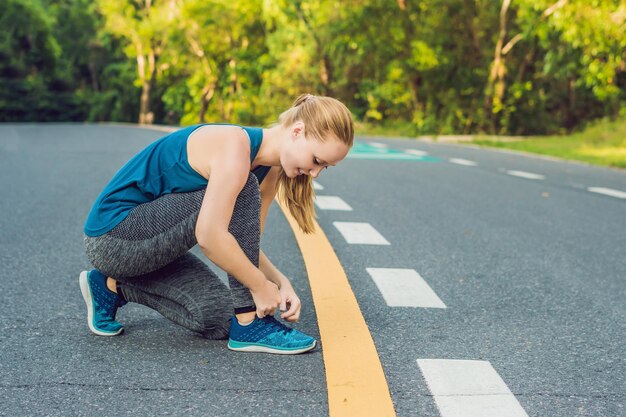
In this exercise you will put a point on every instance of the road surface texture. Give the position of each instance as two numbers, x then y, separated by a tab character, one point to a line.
498	289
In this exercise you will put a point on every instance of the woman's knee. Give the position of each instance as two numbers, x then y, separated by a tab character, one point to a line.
216	330
99	255
213	321
199	290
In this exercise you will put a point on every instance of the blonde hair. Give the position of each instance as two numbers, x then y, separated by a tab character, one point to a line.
323	117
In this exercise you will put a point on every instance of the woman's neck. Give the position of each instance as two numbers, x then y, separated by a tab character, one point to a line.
269	152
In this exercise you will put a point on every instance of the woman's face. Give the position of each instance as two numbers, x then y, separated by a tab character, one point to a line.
302	155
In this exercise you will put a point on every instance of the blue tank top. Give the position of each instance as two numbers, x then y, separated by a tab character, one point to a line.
160	168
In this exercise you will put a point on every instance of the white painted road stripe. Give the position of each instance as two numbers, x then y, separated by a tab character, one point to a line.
465	162
528	175
607	191
360	233
329	202
463	388
378	144
416	152
404	288
383	155
317	186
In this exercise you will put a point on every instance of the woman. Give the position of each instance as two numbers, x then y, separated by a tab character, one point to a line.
211	185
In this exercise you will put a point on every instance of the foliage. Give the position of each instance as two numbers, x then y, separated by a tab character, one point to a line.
426	66
31	88
602	142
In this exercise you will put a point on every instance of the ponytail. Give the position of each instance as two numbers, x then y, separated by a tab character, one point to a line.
297	194
322	117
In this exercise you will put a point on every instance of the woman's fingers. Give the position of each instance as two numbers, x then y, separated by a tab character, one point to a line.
294	318
267	298
293	314
267	311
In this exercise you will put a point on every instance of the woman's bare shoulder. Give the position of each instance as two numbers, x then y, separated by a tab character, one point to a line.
212	143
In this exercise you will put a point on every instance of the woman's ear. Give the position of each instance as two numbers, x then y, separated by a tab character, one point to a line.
297	129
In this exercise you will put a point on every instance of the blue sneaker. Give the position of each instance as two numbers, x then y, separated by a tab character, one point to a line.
268	335
102	304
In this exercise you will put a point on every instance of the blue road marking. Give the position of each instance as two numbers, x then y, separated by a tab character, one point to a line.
362	150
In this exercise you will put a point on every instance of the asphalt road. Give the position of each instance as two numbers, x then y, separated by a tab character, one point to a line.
532	272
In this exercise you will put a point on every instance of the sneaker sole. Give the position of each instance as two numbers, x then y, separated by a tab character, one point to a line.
84	289
253	347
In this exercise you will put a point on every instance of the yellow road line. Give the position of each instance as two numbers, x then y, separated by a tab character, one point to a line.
356	382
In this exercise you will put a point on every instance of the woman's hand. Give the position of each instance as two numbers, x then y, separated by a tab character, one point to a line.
290	304
266	298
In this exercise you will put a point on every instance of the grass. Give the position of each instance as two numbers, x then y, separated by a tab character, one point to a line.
601	143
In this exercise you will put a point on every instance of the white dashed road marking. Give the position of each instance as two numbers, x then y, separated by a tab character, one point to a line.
607	191
378	145
416	152
360	233
404	288
463	388
329	202
465	162
528	175
384	155
460	388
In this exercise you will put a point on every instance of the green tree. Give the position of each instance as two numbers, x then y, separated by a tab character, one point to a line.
567	56
30	86
218	43
436	66
146	28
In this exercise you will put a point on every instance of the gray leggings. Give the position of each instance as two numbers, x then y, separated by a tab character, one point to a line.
148	254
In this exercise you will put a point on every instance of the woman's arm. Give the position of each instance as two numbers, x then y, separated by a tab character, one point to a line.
290	304
271	272
229	167
268	192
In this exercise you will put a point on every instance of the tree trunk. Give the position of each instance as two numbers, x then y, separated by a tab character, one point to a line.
232	89
326	71
141	72
494	92
413	77
415	82
495	84
571	118
146	116
209	89
144	107
325	63
234	82
207	94
93	75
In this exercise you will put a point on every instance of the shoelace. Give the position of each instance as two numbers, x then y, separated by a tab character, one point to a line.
278	325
